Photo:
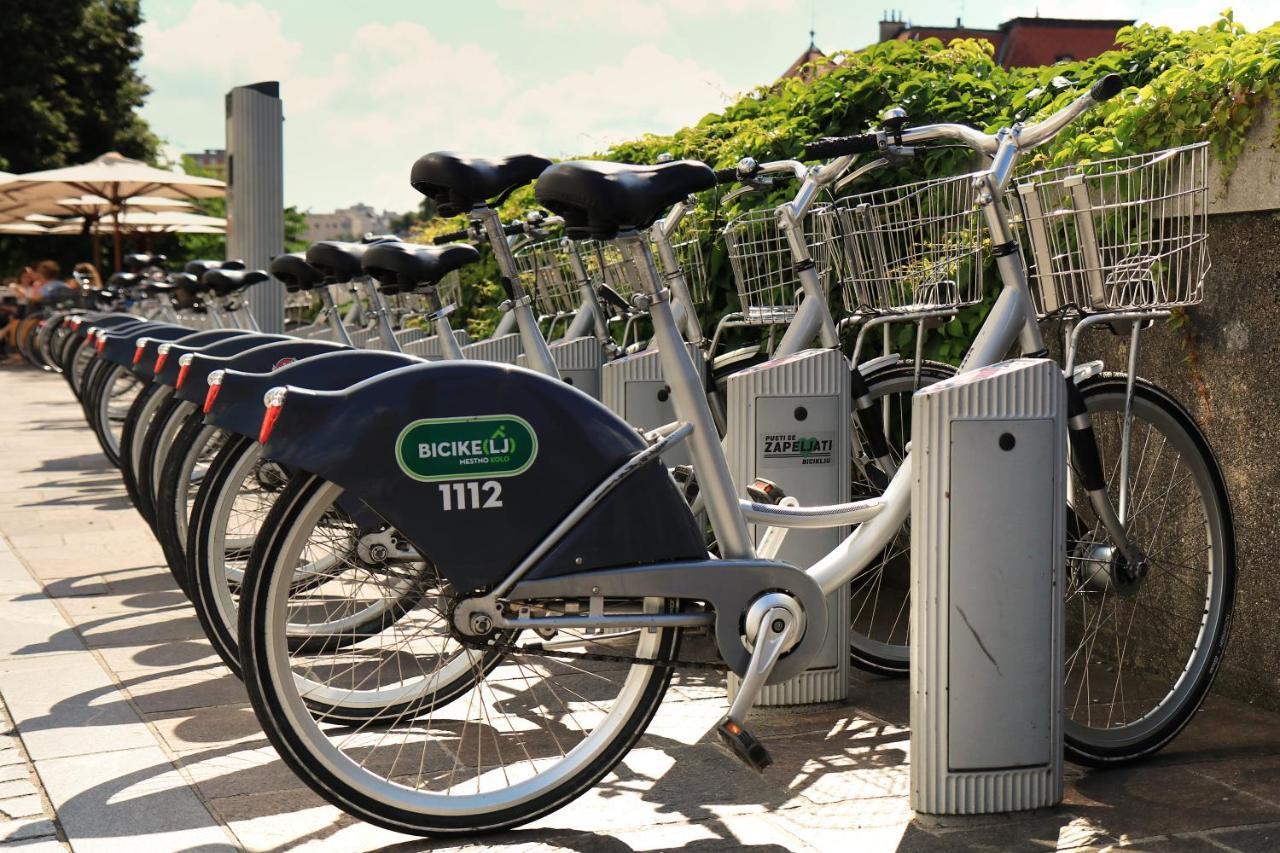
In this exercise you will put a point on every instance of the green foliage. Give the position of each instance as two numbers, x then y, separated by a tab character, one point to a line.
1183	87
70	86
69	91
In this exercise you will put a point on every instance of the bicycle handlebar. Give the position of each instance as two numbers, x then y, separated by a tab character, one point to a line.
831	147
451	237
1027	136
1106	88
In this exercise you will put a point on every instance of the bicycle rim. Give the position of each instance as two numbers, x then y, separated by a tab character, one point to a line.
880	602
1140	659
524	738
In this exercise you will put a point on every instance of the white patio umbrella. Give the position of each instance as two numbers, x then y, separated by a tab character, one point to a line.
143	221
90	208
114	177
26	229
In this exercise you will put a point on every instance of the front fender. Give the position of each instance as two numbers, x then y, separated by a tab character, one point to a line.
476	463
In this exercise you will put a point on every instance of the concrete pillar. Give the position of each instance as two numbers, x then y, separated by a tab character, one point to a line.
255	191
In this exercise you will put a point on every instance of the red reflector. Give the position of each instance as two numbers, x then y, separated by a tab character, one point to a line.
160	360
268	423
138	351
182	372
210	397
101	343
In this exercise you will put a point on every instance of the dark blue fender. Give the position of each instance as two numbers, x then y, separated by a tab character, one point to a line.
376	440
146	365
263	358
209	357
121	345
239	408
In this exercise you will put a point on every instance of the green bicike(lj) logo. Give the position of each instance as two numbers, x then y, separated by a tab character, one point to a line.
464	448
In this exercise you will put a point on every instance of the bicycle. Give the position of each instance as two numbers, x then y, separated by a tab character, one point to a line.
766	617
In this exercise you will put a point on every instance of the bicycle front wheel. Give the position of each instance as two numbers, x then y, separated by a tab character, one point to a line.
880	596
1141	656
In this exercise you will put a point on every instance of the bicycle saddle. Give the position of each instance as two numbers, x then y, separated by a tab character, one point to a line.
141	260
338	262
227	281
123	280
154	286
294	272
457	184
199	268
401	266
188	282
598	198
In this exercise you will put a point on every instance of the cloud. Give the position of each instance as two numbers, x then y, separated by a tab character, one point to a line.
634	17
356	120
231	42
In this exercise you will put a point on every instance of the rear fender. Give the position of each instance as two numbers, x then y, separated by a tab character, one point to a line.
238	407
215	357
144	365
225	349
120	346
476	463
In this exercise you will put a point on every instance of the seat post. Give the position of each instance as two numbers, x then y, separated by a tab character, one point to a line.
536	352
379	312
331	314
689	398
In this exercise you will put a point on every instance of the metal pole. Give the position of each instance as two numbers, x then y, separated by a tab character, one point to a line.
255	190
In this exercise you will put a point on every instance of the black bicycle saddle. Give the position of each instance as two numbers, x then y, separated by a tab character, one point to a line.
295	273
598	198
401	266
225	282
200	267
457	183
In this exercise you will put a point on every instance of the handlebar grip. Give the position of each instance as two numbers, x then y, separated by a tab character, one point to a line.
513	229
727	176
452	237
830	147
1106	88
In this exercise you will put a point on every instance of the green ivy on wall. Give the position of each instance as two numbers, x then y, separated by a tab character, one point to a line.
1183	87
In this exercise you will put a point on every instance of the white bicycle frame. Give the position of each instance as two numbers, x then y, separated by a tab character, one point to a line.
1011	320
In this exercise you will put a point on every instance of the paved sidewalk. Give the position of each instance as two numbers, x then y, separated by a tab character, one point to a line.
143	741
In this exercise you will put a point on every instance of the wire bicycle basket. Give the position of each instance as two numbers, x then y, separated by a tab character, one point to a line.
687	243
546	271
1123	234
911	248
763	270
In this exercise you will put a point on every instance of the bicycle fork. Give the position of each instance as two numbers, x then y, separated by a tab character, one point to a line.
1087	459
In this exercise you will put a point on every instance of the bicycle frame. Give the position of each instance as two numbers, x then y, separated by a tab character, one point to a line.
1011	320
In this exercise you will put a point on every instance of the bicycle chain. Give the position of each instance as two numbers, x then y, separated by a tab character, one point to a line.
538	650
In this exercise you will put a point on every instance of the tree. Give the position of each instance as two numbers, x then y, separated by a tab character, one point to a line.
71	86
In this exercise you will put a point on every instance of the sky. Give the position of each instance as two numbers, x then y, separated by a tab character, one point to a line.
369	87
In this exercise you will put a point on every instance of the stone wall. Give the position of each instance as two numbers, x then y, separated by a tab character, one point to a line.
1224	365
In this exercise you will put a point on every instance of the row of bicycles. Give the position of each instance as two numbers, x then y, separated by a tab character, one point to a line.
455	578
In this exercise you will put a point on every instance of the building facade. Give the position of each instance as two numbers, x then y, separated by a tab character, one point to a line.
349	223
1020	42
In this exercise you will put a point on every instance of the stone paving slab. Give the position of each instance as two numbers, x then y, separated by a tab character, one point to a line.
142	740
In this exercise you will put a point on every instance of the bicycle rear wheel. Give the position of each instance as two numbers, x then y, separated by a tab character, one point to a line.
521	740
1141	656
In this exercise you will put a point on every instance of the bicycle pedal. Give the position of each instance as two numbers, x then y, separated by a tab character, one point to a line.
744	745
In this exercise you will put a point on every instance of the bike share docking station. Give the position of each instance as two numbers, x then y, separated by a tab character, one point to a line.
987	577
789	424
633	389
579	361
